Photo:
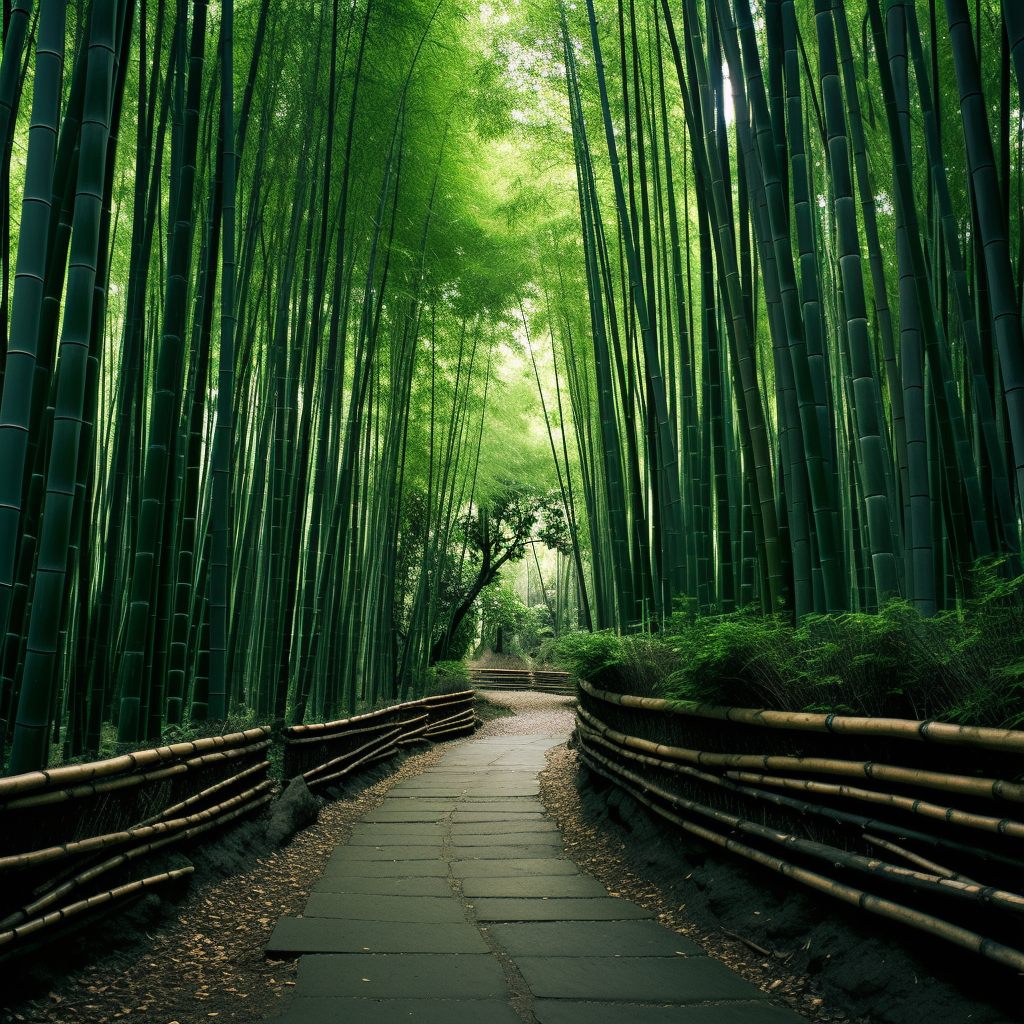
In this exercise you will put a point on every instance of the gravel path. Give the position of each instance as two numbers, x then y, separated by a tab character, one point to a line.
545	714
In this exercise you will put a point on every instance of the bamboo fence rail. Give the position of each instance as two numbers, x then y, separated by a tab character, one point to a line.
545	680
688	762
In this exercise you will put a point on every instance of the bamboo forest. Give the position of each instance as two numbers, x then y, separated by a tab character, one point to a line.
326	325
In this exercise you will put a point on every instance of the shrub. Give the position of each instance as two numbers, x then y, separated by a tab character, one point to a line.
965	665
447	677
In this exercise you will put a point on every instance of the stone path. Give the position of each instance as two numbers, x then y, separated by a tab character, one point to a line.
452	904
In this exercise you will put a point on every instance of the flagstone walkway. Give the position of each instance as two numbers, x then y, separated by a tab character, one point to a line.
452	904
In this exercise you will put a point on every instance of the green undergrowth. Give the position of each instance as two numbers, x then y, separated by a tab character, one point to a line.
965	666
488	709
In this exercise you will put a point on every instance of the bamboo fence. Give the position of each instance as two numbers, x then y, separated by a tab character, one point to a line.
327	752
82	840
730	775
545	680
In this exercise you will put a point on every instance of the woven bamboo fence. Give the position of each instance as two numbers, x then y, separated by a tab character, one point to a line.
545	680
79	841
327	752
75	841
916	822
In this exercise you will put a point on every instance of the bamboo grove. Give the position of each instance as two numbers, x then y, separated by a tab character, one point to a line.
798	376
317	317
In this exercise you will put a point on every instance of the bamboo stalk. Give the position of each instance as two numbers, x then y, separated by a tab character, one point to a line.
342	733
207	793
112	785
848	894
1004	826
921	862
1009	740
384	740
227	755
319	727
92	789
366	759
454	729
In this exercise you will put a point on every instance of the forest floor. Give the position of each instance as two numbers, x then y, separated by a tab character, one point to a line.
203	960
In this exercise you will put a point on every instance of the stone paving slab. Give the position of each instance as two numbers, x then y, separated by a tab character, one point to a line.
403	976
294	935
634	979
393	839
359	907
516	838
544	887
480	792
328	1010
560	1011
514	805
501	828
353	853
390	817
508	869
465	817
438	788
591	938
385	886
385	868
415	803
530	851
605	909
419	831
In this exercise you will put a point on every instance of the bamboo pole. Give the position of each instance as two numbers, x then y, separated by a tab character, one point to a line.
1004	826
1009	740
112	785
805	807
293	731
944	884
343	733
97	843
79	773
921	862
177	808
51	897
374	744
989	788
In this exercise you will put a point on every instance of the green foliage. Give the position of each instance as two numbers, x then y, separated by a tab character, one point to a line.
638	663
535	630
586	655
965	666
447	677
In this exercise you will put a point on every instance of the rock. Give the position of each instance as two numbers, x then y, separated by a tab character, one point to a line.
293	810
